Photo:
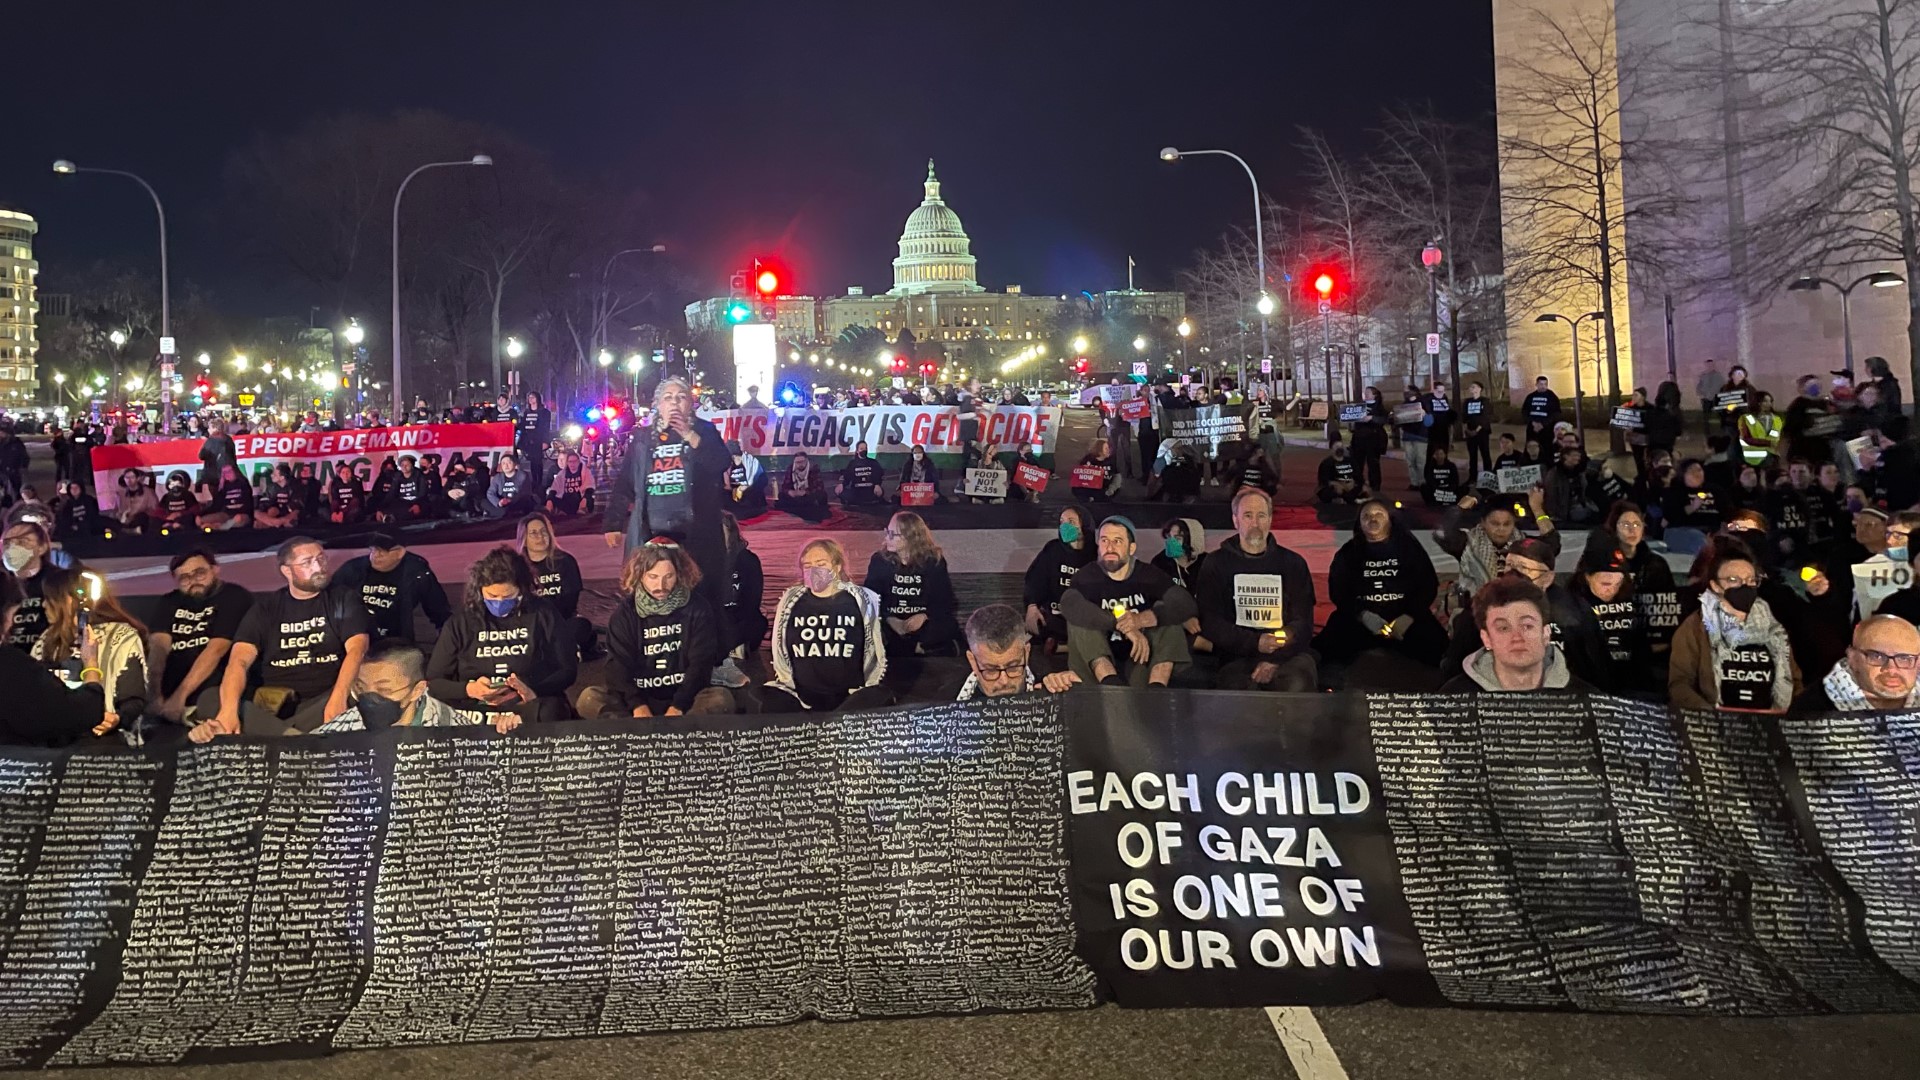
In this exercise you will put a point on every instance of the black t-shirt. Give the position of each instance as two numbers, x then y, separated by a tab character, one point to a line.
346	498
1444	479
410	489
235	496
177	501
1335	470
574	480
1512	459
669	490
862	472
1475	411
192	623
302	642
1746	678
826	642
1622	634
1140	590
902	589
533	427
31	618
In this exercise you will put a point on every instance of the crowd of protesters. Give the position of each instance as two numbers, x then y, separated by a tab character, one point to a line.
1798	593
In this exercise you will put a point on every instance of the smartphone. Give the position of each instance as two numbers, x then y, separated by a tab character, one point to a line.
91	587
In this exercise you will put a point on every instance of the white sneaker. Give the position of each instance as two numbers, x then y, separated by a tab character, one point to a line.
728	674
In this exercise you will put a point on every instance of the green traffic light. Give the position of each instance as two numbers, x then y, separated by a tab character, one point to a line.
738	313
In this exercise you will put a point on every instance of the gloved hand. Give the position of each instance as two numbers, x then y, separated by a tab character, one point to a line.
1374	623
1399	627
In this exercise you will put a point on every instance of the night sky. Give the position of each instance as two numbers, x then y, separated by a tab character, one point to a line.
789	128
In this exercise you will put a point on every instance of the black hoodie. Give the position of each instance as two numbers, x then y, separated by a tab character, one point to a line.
391	598
1051	572
660	661
1243	597
1392	578
527	643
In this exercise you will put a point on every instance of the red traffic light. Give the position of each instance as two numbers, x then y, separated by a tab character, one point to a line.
767	282
1323	285
1080	365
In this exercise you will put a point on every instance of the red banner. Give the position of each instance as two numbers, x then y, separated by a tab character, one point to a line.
363	448
1089	476
1031	477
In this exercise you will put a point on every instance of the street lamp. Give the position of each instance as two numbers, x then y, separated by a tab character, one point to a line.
1573	325
1265	303
68	168
1185	330
1079	346
1430	257
355	333
205	360
239	362
477	159
515	348
1882	279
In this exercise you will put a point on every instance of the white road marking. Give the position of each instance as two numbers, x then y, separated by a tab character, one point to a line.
161	568
1306	1045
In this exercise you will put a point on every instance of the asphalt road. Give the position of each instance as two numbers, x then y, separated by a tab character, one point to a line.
1365	1042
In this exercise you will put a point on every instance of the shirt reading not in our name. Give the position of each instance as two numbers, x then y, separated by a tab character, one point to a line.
825	640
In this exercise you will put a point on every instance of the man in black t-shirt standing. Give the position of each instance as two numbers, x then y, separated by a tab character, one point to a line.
308	640
198	621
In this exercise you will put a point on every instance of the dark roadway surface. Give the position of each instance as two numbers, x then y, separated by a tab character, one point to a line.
1368	1042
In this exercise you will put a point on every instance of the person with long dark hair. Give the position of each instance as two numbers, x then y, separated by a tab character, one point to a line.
743	625
505	649
917	604
120	640
662	642
556	578
1051	572
39	708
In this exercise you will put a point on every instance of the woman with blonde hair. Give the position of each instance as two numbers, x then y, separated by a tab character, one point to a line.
828	650
909	575
663	641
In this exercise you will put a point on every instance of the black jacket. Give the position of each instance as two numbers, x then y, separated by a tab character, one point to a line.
391	598
1226	609
685	644
706	472
40	709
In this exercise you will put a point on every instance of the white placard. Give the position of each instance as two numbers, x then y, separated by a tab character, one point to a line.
1257	601
986	484
1516	478
1140	368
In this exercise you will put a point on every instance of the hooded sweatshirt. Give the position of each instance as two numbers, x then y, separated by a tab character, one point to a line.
1186	569
1720	662
1477	675
1243	597
1391	578
475	644
1051	573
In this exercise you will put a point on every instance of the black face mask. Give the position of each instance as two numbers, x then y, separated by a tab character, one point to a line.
1741	598
378	712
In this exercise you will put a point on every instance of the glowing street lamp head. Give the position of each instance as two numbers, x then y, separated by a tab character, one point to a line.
515	348
1140	343
355	333
240	363
117	338
1080	344
1168	153
605	359
205	360
64	167
1264	305
1185	328
633	364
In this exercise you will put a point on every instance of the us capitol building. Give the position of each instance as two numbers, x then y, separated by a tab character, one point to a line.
936	294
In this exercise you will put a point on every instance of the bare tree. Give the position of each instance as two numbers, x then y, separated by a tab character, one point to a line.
1340	220
1562	158
1432	181
1822	139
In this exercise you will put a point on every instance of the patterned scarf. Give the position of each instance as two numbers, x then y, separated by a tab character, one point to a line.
1845	693
648	607
1726	633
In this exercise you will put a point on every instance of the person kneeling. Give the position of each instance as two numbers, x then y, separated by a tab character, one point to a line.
1517	651
662	642
1125	619
391	690
828	654
504	649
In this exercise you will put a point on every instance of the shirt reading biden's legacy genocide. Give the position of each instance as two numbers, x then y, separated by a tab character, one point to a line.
191	623
302	642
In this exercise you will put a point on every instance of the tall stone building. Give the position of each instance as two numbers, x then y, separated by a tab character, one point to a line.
19	306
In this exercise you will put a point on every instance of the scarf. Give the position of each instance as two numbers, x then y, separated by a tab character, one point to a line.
1482	561
1845	693
972	686
648	607
1725	633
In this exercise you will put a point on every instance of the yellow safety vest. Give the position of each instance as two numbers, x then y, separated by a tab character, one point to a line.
1759	437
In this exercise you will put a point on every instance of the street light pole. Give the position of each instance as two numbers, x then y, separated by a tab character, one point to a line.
68	168
1430	258
1264	304
1573	326
1882	279
398	336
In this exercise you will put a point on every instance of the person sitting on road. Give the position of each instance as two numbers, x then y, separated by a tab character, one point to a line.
1879	671
1441	485
346	496
510	493
743	625
662	642
1516	653
1100	456
572	490
920	469
1176	473
1570	621
1339	477
556	579
1125	620
804	494
308	638
76	514
505	648
1050	575
199	620
391	690
862	481
40	709
998	655
909	575
408	498
1732	653
392	583
829	653
136	506
1183	548
981	455
178	507
1256	470
1479	534
278	504
1256	601
1383	585
233	505
74	611
1604	585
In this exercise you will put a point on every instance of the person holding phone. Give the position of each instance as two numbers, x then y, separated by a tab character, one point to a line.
79	609
505	649
40	708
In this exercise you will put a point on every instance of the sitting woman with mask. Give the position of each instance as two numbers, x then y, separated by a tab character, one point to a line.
505	648
662	642
829	654
1732	653
178	506
919	469
1183	547
1051	572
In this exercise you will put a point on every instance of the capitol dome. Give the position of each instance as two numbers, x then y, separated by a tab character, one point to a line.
935	253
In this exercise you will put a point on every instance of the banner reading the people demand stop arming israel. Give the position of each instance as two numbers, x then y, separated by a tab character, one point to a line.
890	431
366	449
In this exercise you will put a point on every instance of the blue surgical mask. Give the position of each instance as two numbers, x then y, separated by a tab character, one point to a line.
1897	554
500	609
1069	532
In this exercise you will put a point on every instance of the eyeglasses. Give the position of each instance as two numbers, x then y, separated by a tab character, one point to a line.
1736	582
1876	658
1005	671
316	560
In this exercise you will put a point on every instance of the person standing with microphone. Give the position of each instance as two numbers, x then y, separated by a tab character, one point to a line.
672	483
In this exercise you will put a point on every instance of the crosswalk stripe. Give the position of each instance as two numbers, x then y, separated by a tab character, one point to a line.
1306	1044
